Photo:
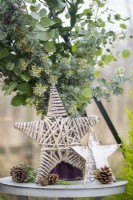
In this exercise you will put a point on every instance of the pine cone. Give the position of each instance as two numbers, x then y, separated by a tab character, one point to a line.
52	178
18	174
104	175
43	181
12	171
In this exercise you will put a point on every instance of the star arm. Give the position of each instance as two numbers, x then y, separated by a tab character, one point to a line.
109	149
85	124
101	154
33	130
81	151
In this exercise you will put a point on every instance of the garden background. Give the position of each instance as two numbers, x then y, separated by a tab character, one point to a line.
16	148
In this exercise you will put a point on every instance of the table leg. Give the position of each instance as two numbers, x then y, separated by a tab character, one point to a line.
22	198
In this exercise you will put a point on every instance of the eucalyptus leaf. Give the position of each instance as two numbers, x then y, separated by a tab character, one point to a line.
5	87
40	27
4	52
3	35
28	1
84	97
43	12
87	92
67	16
100	63
98	52
101	5
46	22
18	100
107	58
35	7
65	29
35	15
46	35
72	12
117	17
10	66
83	100
123	26
11	87
60	11
25	76
101	23
87	12
25	88
97	73
57	23
57	4
74	48
126	53
50	47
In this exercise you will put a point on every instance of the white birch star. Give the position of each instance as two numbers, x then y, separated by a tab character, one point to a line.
95	155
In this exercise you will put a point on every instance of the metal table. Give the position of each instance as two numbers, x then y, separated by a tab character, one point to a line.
77	189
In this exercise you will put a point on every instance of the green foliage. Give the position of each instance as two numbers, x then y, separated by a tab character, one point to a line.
38	48
127	169
4	196
18	100
126	53
63	182
31	175
123	26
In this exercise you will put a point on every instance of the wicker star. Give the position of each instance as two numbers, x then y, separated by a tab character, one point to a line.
95	156
56	133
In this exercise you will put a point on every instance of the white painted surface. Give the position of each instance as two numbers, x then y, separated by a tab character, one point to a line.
77	189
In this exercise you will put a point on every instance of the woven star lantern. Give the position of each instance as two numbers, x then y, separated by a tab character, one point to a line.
56	134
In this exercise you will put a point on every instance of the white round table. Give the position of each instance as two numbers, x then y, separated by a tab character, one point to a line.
76	189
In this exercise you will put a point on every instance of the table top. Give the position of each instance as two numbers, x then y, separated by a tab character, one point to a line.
76	189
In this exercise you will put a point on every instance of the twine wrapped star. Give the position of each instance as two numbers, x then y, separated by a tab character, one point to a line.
56	133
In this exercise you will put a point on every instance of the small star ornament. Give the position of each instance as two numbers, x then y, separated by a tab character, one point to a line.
95	156
56	133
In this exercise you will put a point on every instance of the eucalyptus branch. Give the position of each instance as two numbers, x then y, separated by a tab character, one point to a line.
41	1
68	2
52	13
15	48
4	27
69	64
96	15
25	5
